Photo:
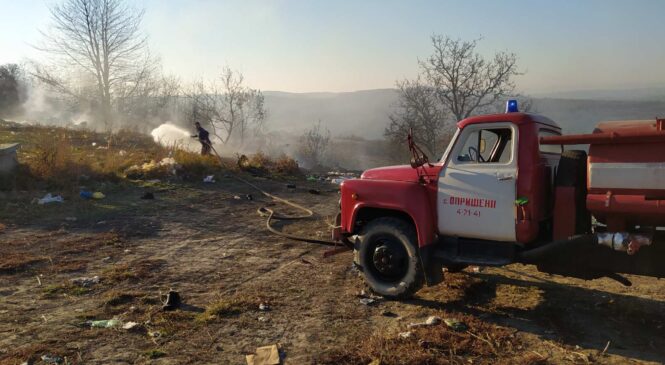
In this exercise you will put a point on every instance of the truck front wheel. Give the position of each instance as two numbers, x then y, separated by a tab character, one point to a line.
388	255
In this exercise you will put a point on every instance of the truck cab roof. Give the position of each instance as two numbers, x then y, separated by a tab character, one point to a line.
515	118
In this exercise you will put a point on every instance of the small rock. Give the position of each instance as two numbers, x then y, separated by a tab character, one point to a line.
433	320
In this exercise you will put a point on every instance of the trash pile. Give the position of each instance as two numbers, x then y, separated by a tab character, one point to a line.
333	177
166	167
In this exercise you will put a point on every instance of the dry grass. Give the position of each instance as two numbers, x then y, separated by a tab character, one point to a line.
261	164
481	343
14	262
228	307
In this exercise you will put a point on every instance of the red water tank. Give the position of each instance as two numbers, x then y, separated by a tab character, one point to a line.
626	174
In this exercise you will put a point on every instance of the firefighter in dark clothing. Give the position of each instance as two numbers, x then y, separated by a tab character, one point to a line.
204	138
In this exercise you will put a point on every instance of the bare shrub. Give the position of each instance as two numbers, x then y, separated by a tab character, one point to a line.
313	145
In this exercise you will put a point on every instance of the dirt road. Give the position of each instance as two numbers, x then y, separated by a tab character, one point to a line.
212	248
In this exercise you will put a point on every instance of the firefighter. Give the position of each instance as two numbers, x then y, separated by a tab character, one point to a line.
204	138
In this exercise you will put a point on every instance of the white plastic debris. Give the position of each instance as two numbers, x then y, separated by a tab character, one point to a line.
48	198
209	179
263	307
367	301
431	321
86	282
129	325
405	335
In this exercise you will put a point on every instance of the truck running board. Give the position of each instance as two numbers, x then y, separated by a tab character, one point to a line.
454	251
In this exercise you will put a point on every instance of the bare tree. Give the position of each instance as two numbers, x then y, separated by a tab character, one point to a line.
464	81
228	106
12	88
313	144
100	37
455	82
419	110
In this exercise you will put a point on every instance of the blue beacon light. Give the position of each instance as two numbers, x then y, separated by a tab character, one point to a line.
511	106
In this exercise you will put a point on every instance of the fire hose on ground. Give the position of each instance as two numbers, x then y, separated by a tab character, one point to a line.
271	217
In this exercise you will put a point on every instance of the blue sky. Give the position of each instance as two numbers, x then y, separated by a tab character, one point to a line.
302	46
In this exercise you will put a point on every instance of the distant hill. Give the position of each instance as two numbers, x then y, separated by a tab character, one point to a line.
365	113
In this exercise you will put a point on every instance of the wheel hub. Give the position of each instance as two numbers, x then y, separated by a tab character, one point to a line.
388	259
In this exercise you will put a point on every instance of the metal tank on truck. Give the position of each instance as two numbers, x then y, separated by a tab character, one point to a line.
507	190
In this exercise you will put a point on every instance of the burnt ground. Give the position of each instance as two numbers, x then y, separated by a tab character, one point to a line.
213	249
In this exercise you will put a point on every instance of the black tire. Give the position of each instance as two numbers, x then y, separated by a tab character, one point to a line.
572	172
387	254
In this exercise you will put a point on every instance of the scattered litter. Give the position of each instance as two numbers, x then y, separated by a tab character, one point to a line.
315	191
249	197
106	258
167	161
405	335
52	359
155	334
94	144
153	181
312	178
70	219
172	301
455	324
431	321
266	355
148	196
129	325
127	250
290	186
209	179
86	282
48	198
245	197
90	195
367	301
104	323
101	222
338	180
263	307
122	152
263	319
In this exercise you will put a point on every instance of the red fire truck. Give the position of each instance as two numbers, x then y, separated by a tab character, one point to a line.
508	191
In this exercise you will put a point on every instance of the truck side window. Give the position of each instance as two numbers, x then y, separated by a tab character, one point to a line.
487	146
549	148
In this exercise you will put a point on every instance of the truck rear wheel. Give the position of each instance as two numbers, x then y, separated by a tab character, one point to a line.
388	256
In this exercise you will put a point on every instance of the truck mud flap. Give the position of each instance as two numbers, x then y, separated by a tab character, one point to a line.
432	268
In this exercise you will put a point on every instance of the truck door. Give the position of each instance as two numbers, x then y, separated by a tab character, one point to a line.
477	187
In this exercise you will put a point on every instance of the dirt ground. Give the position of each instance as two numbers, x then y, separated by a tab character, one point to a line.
213	249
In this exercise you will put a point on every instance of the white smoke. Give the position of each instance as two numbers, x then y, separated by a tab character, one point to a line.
169	134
